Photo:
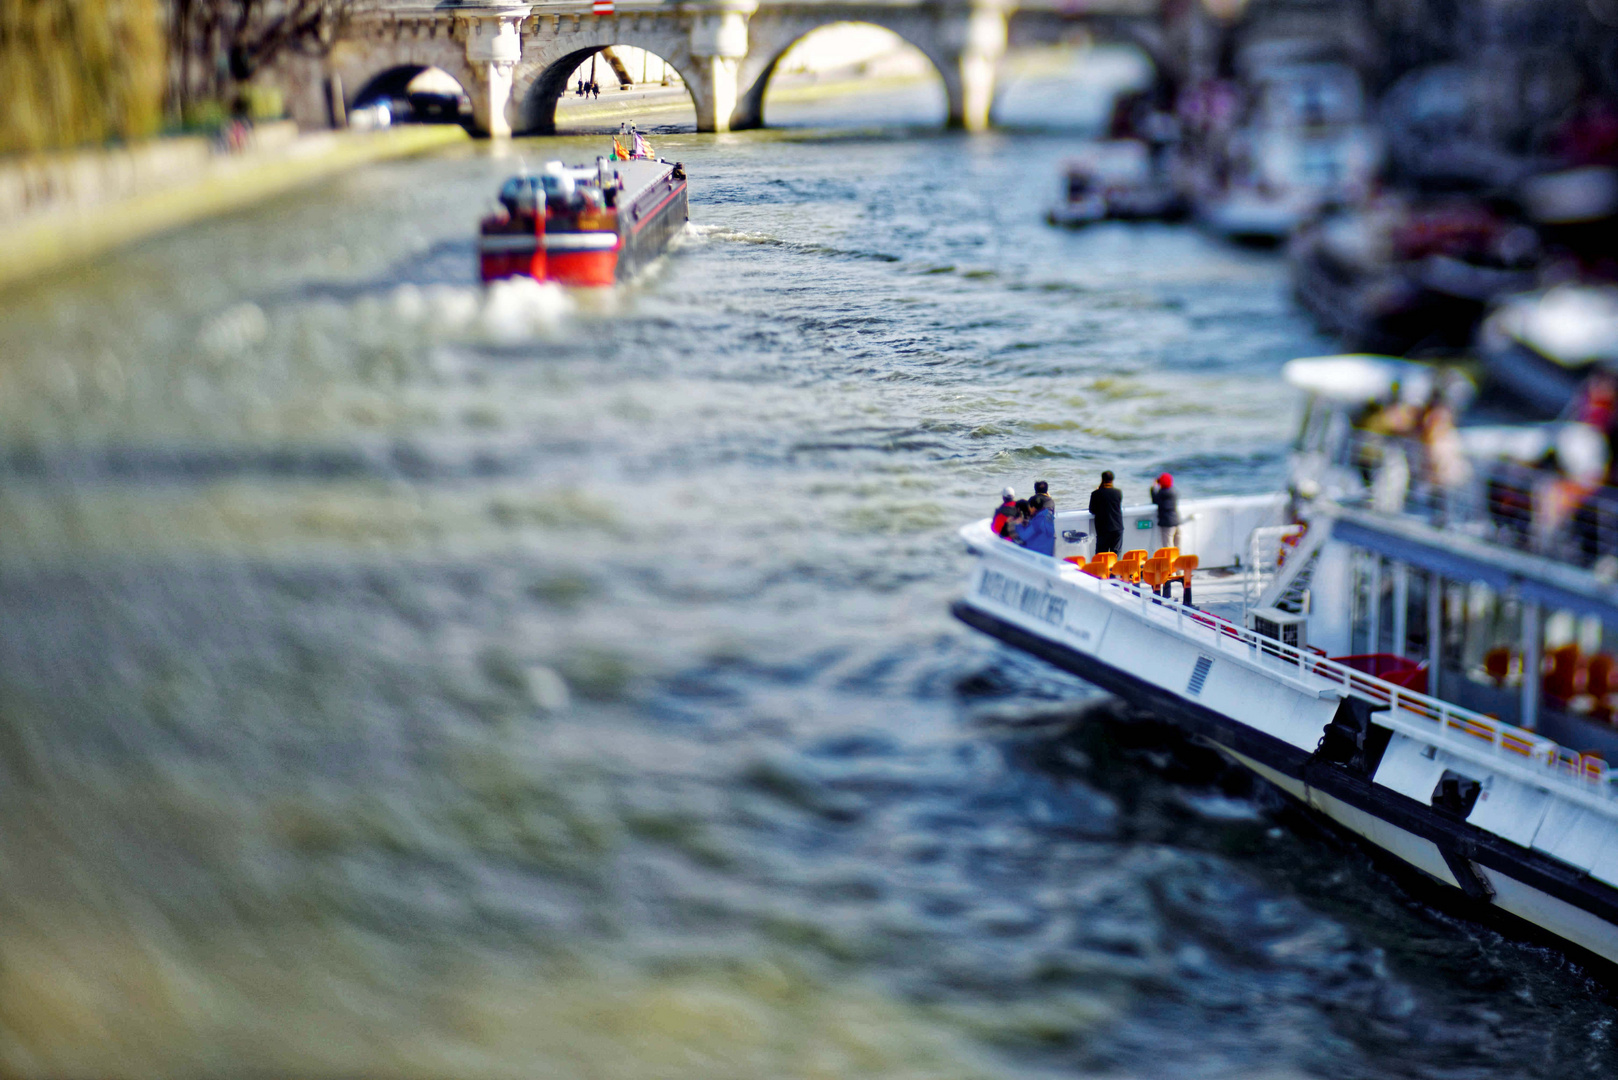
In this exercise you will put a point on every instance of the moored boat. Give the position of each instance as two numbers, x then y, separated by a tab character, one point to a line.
1423	668
584	225
1540	347
1394	276
1116	180
1301	145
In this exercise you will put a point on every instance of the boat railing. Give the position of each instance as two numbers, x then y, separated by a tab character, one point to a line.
1414	713
1526	508
1266	549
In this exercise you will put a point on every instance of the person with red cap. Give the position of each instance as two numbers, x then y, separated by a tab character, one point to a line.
1167	501
1008	503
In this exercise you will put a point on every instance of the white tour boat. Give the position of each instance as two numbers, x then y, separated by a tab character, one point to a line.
1423	668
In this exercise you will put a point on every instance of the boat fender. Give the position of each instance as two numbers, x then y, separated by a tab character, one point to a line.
1455	794
1467	875
1352	740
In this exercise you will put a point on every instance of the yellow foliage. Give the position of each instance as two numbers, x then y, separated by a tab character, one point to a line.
75	72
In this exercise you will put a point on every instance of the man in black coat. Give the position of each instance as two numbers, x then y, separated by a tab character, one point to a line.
1107	508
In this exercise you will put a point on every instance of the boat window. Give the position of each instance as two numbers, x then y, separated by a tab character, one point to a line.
518	194
558	184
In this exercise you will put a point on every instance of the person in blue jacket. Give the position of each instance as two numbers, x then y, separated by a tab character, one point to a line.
1038	533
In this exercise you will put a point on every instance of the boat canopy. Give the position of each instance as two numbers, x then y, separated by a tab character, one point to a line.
1463	558
1360	378
1573	325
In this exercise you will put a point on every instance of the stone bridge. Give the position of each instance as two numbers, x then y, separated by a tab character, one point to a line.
514	58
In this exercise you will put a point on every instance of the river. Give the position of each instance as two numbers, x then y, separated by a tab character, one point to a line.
401	680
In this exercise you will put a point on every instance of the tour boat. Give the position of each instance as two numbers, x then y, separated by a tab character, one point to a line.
1115	180
584	225
1424	667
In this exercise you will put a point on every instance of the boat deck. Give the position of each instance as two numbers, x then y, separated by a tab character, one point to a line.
638	175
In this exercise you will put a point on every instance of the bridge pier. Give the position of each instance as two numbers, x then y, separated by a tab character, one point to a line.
493	47
713	92
974	40
719	41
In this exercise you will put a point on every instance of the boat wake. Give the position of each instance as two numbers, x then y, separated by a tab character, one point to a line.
506	312
694	233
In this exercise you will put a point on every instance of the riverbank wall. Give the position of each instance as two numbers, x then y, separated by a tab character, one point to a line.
60	209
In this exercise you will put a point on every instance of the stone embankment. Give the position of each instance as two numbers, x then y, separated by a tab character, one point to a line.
58	209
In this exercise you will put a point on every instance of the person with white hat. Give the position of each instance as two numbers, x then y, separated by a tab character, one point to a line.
1002	514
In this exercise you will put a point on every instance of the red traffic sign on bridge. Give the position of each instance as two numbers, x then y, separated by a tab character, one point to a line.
601	7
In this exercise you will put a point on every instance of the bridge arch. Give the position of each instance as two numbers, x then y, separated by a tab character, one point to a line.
360	64
772	43
542	80
432	95
964	47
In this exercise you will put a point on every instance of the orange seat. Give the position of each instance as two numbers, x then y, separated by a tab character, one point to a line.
1184	567
1561	673
1162	570
1170	553
1497	664
1601	683
1601	675
1101	565
1156	572
1130	564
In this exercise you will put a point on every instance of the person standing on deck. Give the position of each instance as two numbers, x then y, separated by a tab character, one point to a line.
1039	533
1107	508
1008	503
1168	511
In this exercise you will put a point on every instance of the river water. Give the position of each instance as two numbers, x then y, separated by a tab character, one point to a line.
402	680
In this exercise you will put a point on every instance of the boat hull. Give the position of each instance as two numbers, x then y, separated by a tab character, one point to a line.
1250	221
651	228
1143	205
1389	309
1527	885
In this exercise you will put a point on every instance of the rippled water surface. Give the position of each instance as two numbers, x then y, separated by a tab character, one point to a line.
398	679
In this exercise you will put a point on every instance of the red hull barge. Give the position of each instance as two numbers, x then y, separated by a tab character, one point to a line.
584	225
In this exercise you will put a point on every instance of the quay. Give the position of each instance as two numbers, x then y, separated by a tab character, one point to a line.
60	232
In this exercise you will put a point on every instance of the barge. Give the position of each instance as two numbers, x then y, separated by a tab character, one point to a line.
584	225
1421	668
